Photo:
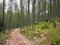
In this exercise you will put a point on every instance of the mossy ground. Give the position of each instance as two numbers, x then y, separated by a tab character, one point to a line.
52	33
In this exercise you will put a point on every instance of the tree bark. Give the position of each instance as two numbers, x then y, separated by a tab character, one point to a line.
33	14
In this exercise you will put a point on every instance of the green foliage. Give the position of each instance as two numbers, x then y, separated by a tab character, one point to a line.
36	23
28	33
55	42
54	36
45	26
4	36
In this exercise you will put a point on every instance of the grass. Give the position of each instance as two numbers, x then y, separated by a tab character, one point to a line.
47	29
5	36
54	36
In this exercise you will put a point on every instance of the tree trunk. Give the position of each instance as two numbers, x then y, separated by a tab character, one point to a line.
3	16
33	14
28	21
22	13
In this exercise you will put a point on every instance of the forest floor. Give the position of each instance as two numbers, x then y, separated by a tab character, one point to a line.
18	39
45	36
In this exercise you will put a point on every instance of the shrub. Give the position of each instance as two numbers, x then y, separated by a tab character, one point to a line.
55	36
55	42
5	35
45	26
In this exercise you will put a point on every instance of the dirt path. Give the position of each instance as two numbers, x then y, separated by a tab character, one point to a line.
17	39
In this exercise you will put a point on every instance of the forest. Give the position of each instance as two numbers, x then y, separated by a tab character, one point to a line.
36	20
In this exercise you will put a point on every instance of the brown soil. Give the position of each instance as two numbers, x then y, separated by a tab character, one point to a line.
17	39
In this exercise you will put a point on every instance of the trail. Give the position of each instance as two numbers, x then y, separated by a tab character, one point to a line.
17	39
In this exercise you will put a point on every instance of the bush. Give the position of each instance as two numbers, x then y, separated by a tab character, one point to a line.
5	35
54	36
55	42
45	26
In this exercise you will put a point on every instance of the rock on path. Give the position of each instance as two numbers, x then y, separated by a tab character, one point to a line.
17	39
